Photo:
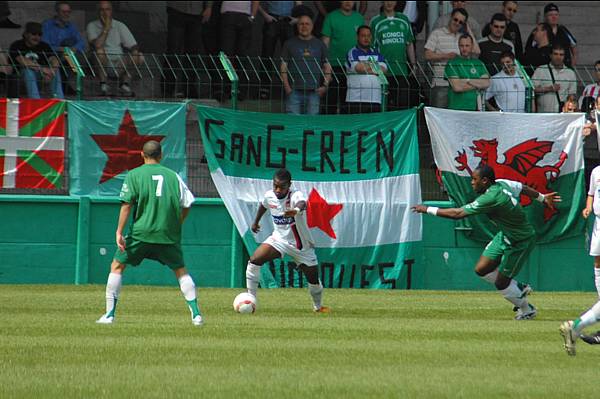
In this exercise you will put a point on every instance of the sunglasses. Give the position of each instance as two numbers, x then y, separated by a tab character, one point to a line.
35	33
460	21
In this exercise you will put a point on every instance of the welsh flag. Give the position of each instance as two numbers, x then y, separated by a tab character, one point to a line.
32	143
107	138
544	151
359	173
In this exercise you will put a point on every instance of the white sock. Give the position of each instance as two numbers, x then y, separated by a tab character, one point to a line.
590	317
113	289
252	278
188	289
316	292
490	277
514	295
597	279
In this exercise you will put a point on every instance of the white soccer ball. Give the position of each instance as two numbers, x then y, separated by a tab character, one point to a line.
244	303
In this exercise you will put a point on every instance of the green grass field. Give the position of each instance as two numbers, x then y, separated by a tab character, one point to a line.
375	344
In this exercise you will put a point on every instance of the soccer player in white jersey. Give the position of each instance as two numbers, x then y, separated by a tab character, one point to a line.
291	236
571	330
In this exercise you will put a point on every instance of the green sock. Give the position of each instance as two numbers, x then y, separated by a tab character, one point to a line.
114	308
193	305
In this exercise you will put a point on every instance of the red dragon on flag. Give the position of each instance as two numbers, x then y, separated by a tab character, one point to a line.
520	164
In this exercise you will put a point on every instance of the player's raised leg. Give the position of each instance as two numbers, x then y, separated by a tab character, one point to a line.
113	289
264	253
513	291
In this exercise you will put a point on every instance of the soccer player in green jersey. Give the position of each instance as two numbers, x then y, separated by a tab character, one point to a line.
159	201
504	256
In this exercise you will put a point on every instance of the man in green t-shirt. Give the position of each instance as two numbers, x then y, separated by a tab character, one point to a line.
467	76
504	256
393	38
339	35
159	201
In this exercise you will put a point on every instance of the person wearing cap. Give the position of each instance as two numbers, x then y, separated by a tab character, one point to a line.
558	34
36	60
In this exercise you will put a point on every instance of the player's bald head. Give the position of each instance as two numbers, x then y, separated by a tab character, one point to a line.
152	149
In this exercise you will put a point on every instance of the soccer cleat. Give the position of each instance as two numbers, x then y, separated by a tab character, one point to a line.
198	321
591	339
322	309
106	319
569	335
527	314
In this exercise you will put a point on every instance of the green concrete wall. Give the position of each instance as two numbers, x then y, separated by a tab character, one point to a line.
66	240
70	240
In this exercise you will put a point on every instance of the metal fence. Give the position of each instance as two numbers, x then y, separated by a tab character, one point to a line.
244	83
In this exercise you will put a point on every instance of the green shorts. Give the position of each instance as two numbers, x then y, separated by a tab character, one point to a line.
136	251
512	256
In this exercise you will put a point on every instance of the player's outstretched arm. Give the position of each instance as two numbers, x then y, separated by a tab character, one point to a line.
549	199
448	213
259	214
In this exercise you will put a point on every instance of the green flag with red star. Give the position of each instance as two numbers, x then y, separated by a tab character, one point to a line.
106	139
358	173
32	143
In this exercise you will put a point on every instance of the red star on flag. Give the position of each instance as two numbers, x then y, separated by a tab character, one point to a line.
123	149
319	213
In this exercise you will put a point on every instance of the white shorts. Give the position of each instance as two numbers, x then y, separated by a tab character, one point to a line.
305	256
595	241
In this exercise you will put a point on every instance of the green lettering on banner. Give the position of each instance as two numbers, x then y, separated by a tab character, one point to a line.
359	174
338	148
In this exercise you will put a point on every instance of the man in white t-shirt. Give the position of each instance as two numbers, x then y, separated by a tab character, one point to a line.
506	88
109	38
291	236
554	82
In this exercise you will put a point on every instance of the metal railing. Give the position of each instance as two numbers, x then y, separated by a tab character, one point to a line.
245	83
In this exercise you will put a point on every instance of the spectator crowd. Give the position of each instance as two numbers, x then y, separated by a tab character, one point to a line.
330	59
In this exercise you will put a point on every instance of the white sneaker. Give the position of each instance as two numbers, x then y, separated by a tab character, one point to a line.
106	319
569	335
526	314
198	321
